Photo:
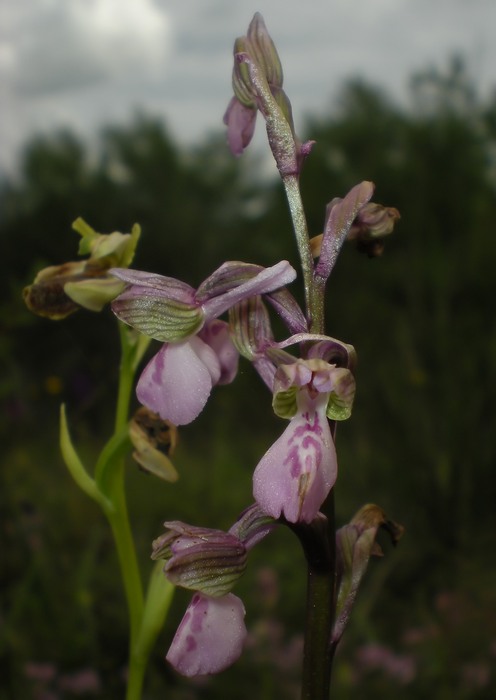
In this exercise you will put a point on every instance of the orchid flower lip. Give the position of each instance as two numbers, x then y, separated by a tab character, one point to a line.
210	636
295	475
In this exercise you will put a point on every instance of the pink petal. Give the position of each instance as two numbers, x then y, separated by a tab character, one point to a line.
142	284
298	471
215	302
216	334
210	637
177	381
240	121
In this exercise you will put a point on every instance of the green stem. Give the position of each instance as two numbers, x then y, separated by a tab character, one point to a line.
317	651
118	518
321	557
315	311
126	379
317	660
117	515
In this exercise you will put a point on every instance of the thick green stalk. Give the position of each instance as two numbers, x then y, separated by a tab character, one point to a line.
317	660
117	514
146	615
321	559
318	653
118	518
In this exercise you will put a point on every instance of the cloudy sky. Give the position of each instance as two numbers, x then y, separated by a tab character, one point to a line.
84	63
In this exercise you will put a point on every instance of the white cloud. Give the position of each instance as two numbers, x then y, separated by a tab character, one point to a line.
84	63
59	45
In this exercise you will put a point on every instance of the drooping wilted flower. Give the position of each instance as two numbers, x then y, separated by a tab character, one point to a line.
198	352
154	441
354	218
373	223
60	290
355	544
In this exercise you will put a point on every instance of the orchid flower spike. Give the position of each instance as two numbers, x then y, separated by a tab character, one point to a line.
198	352
296	474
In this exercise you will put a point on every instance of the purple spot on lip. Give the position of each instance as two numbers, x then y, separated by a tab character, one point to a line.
190	643
305	448
158	367
199	613
293	458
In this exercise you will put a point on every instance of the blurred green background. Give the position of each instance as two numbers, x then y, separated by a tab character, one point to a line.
421	442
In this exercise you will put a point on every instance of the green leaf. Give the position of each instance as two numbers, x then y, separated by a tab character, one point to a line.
75	465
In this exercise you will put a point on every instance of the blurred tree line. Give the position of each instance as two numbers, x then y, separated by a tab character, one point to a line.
421	441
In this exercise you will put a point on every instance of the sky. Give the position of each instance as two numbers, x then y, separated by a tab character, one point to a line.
87	63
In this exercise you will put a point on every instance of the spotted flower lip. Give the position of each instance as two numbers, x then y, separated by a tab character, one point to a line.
198	352
295	475
210	636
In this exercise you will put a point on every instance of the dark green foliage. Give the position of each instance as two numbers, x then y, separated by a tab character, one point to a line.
420	442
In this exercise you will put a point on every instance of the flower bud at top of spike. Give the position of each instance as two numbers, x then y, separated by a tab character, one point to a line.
257	80
258	45
154	441
264	51
241	81
201	559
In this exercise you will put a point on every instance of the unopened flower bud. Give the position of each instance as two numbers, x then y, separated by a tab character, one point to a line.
264	50
258	45
201	559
